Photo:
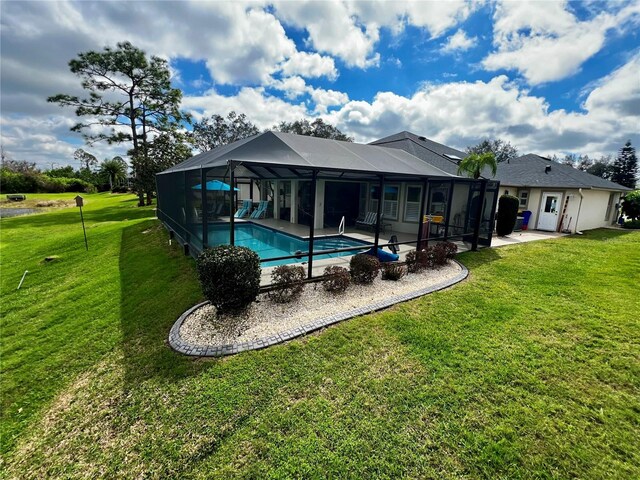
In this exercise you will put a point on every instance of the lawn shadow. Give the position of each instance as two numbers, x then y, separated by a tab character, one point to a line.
157	284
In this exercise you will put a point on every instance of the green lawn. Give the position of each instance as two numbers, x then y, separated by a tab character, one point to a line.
530	369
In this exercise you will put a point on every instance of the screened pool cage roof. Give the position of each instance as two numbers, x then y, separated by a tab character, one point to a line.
273	155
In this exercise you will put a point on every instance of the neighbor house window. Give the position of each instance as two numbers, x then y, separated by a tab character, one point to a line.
607	215
412	204
523	195
389	201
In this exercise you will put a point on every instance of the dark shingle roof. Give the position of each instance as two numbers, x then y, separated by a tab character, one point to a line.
431	152
277	149
530	171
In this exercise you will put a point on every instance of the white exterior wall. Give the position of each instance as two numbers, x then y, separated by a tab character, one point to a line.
589	216
594	208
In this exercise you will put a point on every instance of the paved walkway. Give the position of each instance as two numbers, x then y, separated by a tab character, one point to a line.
523	237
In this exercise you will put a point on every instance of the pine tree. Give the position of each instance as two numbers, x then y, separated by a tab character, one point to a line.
625	167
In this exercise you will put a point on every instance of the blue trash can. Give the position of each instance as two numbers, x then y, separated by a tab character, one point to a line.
526	215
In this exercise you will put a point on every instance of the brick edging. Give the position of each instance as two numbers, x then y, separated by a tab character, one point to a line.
179	345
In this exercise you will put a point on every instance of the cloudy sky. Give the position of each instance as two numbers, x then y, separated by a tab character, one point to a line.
550	77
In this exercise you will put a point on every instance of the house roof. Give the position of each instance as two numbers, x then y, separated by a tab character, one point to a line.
434	153
531	171
275	154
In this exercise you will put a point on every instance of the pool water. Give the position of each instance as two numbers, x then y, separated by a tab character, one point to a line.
269	243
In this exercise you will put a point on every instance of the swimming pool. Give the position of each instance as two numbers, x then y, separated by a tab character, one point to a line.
269	243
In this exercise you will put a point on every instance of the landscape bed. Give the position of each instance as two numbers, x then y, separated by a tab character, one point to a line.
200	332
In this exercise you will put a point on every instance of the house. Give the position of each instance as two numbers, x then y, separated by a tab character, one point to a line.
559	197
311	186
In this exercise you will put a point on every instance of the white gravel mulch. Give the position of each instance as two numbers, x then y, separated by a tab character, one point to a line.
265	318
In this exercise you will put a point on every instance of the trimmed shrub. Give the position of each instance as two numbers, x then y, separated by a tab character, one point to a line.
364	268
451	249
440	254
336	279
420	260
507	213
121	189
229	277
393	271
288	283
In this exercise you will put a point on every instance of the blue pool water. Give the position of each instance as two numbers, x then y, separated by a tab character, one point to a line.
268	243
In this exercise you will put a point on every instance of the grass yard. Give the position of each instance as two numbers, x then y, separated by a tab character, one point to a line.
530	369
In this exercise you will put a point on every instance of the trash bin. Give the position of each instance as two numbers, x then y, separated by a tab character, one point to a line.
526	215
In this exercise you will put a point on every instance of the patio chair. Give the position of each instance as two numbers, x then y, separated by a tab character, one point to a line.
244	210
368	220
261	210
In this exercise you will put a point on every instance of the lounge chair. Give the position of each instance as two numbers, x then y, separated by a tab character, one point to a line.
261	210
369	221
244	210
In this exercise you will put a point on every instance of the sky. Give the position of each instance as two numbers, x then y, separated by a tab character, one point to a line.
549	77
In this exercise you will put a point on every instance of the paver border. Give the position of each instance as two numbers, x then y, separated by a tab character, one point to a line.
179	345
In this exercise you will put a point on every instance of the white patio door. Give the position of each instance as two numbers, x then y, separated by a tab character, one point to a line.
549	211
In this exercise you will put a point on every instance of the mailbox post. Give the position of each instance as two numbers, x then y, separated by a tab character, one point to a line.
80	203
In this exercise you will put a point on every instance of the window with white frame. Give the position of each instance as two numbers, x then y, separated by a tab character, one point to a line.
412	203
523	195
389	201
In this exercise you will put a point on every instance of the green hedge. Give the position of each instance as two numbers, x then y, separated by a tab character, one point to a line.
35	182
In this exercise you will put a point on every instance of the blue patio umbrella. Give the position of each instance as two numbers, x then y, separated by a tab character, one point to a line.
215	185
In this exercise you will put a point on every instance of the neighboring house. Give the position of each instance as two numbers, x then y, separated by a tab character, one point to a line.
559	197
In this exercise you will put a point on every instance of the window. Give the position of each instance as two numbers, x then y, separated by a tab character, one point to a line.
607	215
523	195
412	203
389	202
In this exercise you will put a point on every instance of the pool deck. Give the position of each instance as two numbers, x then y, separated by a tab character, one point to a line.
320	264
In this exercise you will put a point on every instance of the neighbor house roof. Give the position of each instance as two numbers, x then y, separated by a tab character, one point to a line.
434	153
531	171
276	154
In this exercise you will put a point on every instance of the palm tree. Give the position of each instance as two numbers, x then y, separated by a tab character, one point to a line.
115	169
473	164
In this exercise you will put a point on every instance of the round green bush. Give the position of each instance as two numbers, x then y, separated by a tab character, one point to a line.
336	279
229	277
507	214
364	268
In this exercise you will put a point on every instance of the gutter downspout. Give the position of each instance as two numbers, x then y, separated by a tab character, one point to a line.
578	215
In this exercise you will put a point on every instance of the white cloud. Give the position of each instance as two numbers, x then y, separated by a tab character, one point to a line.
544	41
459	42
294	87
350	30
262	109
462	113
310	65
